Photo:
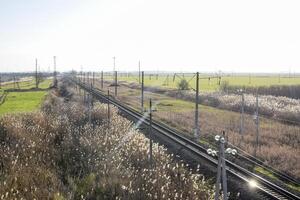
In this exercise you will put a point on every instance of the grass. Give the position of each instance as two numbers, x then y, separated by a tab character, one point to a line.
272	176
294	187
56	154
45	84
16	102
180	114
262	80
27	85
22	102
212	84
265	172
177	105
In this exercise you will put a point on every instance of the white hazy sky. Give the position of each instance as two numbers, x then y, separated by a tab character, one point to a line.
181	35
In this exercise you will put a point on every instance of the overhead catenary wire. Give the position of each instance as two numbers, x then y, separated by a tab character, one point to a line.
248	154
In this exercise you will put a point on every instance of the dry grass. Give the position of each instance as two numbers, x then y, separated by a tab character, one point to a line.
279	143
57	154
276	107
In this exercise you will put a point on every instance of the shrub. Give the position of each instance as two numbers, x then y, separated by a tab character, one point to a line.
57	154
224	86
290	91
183	85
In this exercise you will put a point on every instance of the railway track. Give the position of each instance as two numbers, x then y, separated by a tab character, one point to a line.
244	157
268	189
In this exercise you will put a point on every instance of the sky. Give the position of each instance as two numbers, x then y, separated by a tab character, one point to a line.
164	35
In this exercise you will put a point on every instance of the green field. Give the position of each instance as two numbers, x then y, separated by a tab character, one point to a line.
207	84
27	85
23	101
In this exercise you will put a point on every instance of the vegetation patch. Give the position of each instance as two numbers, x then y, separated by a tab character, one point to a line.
207	84
24	98
265	172
272	176
57	153
22	102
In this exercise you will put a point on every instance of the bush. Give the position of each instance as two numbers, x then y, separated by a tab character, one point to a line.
57	154
291	91
183	85
224	86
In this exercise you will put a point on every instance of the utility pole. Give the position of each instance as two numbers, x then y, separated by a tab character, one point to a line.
257	126
139	72
242	116
116	83
54	64
39	71
0	81
36	74
221	170
108	110
80	77
93	79
142	93
14	81
101	79
114	63
88	78
85	77
80	81
89	107
197	131
84	96
150	134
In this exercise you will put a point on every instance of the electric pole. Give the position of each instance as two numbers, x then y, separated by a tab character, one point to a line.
108	110
197	131
93	79
139	72
150	134
221	169
36	73
242	116
101	79
116	83
114	63
14	81
142	93
89	108
54	65
257	126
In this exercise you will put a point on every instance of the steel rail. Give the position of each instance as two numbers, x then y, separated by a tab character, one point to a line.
266	187
252	160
